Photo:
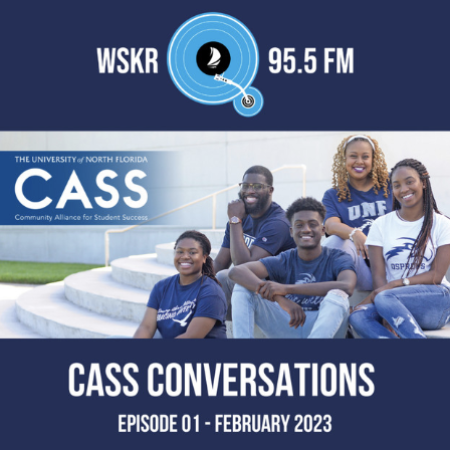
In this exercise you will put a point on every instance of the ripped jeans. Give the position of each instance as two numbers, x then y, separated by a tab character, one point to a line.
330	321
407	309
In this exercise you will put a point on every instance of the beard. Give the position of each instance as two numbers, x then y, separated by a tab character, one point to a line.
260	205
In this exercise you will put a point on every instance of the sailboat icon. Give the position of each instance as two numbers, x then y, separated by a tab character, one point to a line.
215	57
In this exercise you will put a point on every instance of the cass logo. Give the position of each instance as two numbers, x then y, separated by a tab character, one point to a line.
74	190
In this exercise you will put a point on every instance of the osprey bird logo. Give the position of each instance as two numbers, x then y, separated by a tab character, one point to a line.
183	322
367	223
305	278
407	246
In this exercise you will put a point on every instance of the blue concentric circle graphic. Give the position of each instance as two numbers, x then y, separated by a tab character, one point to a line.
209	86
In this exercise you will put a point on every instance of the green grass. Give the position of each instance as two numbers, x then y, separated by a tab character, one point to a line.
38	273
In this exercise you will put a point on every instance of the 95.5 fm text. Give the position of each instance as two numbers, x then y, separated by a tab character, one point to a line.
289	60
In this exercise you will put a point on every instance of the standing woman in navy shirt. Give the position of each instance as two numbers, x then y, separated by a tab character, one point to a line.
360	194
190	305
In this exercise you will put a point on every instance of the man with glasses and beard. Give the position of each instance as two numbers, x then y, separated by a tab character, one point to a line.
257	227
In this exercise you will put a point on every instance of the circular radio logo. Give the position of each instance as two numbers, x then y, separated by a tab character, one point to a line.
213	59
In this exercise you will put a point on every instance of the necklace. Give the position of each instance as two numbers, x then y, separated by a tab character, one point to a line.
404	220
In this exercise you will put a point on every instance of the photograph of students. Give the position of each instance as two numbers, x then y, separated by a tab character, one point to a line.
306	294
360	194
257	227
410	253
190	305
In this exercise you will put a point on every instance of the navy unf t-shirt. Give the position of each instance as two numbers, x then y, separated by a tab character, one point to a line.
288	268
177	305
364	208
269	232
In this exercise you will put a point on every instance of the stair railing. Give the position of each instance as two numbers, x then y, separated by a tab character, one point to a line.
214	206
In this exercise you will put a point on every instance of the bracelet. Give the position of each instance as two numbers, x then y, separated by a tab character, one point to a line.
350	236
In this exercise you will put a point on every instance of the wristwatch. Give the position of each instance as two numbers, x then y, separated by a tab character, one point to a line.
406	282
235	220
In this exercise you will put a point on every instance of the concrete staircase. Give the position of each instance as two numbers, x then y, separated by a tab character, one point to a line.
111	301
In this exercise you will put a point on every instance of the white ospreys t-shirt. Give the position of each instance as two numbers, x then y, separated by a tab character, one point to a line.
397	237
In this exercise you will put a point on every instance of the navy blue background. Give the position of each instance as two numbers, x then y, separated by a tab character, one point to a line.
406	409
49	75
49	81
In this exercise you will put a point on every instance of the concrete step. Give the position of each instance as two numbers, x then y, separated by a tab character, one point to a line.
10	326
443	333
215	236
165	253
97	291
141	271
47	312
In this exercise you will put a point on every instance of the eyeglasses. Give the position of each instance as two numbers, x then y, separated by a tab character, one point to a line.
254	186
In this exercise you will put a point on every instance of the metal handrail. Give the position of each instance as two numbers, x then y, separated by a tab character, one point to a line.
214	206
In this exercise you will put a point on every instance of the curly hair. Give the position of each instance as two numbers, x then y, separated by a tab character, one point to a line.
305	204
208	266
429	205
379	172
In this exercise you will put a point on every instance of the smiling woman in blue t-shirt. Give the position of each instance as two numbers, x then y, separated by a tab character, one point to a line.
360	194
190	305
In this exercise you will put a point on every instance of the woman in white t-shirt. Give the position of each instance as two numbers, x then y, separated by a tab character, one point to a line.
409	251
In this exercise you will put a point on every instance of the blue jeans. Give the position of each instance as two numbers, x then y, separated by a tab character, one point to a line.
329	321
407	309
363	274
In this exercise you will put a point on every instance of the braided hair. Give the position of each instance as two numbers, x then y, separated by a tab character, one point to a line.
208	266
429	205
379	172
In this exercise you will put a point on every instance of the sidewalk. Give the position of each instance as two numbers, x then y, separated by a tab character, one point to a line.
10	327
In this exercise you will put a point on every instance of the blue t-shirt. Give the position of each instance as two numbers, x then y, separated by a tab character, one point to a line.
269	232
177	305
288	268
364	208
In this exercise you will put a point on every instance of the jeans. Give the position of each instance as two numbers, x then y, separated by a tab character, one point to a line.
407	309
227	287
363	274
330	321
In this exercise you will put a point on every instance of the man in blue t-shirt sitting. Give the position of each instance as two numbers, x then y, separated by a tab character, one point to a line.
257	227
306	294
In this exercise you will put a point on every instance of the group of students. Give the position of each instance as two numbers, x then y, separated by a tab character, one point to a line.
385	235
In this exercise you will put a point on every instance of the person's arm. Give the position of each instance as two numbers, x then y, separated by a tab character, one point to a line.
250	276
198	328
147	328
346	281
434	276
240	253
377	266
334	226
222	260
